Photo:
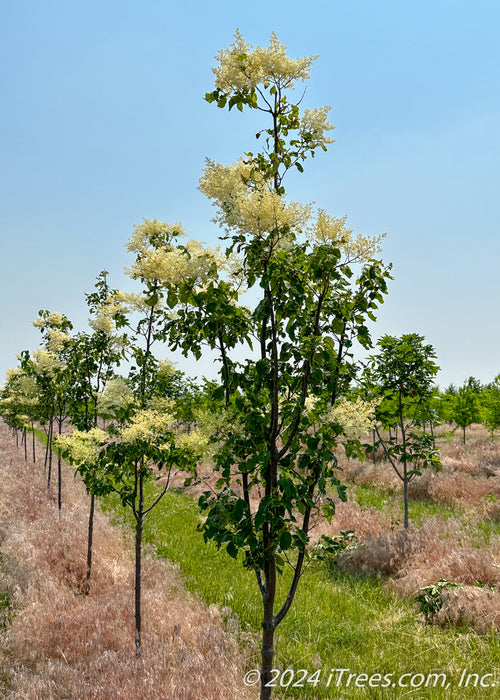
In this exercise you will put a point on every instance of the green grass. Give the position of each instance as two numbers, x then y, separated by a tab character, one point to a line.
389	498
337	621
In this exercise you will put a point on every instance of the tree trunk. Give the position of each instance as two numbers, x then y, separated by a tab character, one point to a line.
138	562
373	440
59	473
33	442
268	629
89	544
267	659
464	434
25	445
405	497
46	450
49	446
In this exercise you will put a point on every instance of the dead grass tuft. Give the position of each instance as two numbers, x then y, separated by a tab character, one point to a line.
62	644
474	607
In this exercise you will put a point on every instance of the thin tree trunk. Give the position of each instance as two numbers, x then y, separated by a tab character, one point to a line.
405	469
138	562
405	497
25	445
46	450
33	441
59	472
464	434
373	440
89	543
268	629
49	445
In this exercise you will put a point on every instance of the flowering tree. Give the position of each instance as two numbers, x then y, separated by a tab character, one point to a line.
274	441
20	404
145	445
403	373
48	365
91	362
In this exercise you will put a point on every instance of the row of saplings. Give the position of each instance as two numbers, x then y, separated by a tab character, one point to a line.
271	422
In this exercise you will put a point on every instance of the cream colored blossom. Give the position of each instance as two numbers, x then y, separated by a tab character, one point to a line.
83	447
116	397
47	362
152	233
171	266
39	322
356	417
331	230
147	425
246	203
213	428
163	404
102	322
55	319
12	374
125	302
56	340
195	441
313	127
241	68
117	303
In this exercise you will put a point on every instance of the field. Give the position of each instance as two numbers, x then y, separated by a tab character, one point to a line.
354	612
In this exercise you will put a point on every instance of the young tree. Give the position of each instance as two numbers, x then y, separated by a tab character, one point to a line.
19	404
48	365
274	437
490	406
145	446
466	406
403	371
92	359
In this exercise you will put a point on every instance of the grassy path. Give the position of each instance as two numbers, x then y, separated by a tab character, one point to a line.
336	622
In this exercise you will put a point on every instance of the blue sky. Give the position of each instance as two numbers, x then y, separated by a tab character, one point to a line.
103	122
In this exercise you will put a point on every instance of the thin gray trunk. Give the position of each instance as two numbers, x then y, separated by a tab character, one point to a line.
268	629
89	544
138	563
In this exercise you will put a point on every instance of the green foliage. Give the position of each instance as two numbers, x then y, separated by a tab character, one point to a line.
333	546
432	598
401	374
490	406
466	406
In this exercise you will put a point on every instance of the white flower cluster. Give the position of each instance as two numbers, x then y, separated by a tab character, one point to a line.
116	396
241	68
159	260
313	125
330	230
148	425
246	203
152	233
83	447
56	340
46	362
356	417
115	304
54	320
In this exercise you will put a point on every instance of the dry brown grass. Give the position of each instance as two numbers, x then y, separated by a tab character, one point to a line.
62	644
438	550
474	607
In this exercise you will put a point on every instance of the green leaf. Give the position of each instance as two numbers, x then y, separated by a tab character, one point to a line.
285	540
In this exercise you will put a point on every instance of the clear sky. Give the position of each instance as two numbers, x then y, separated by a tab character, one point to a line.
103	122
